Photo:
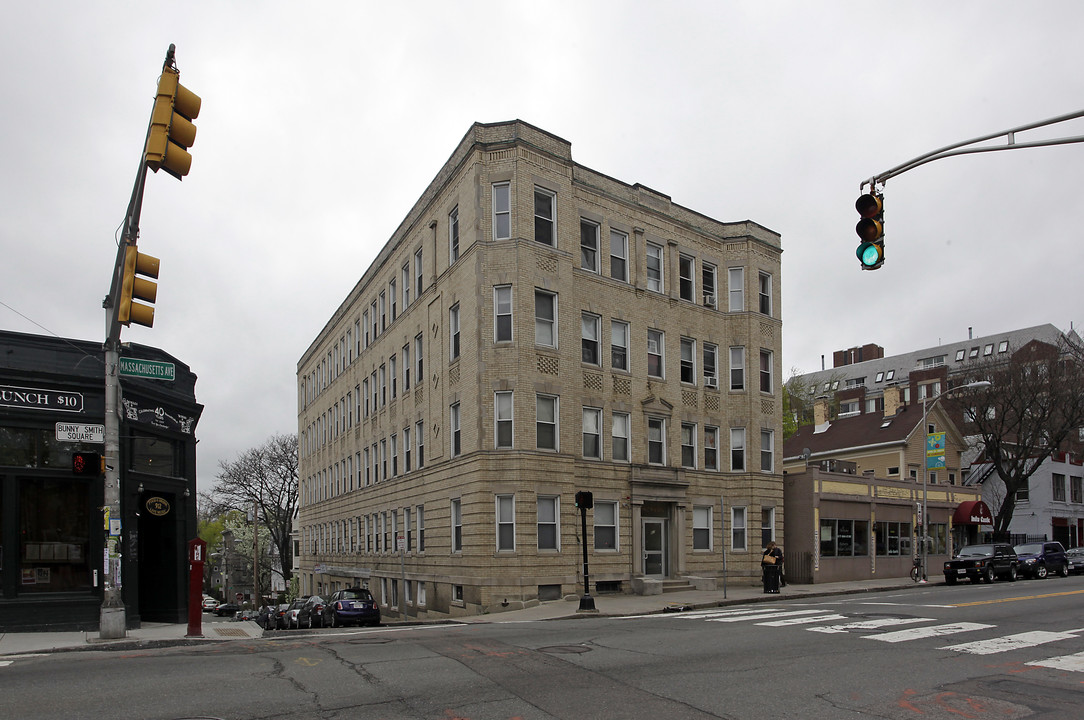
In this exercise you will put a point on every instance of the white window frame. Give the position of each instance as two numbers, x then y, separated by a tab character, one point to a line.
455	437
592	430
502	211
711	446
764	285
453	235
552	502
601	522
738	445
767	450
767	376
739	532
456	516
543	220
655	266
688	360
619	255
503	408
688	445
553	403
590	231
502	313
619	339
658	338
687	277
548	324
735	289
709	278
590	339
656	438
504	517
453	332
619	433
702	528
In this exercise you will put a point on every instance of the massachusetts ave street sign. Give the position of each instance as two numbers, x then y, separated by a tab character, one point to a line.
150	369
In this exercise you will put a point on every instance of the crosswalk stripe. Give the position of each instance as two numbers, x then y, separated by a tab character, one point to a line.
762	615
926	632
1009	642
1069	663
802	620
869	624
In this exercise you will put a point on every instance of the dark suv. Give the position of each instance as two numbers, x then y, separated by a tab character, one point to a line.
982	562
1039	559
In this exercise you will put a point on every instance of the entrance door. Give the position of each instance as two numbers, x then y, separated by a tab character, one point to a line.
655	548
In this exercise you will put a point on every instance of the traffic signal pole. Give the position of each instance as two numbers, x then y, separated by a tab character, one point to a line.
169	133
870	205
961	148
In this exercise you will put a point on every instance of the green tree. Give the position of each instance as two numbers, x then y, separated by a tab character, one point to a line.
1033	408
262	480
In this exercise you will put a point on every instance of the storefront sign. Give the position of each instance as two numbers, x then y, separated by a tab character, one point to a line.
80	433
157	416
40	399
157	506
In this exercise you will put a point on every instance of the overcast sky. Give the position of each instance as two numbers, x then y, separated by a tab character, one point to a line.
323	122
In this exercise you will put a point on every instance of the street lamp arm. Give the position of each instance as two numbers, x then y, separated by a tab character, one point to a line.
961	148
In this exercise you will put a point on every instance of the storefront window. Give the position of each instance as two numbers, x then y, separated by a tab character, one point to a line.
844	538
892	538
34	447
155	456
54	535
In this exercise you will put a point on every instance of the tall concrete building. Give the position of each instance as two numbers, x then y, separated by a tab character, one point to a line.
532	329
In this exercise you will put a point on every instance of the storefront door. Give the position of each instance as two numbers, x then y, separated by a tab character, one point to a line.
656	548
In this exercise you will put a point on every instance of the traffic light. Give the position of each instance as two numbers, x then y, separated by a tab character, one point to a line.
585	499
871	231
131	287
87	463
172	132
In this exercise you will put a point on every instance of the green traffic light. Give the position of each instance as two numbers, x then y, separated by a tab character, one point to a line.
870	255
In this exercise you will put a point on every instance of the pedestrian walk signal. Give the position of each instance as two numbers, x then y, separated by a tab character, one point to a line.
87	463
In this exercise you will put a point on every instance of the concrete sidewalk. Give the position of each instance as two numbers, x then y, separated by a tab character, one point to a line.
159	634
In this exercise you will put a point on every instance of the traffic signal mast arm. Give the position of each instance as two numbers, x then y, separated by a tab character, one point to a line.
961	148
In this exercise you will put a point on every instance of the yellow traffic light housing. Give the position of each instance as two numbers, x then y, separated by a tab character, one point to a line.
870	229
172	132
136	263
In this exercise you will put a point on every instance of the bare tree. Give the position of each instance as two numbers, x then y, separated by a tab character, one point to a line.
1033	409
264	477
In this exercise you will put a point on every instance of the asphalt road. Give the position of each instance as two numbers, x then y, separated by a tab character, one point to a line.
1007	650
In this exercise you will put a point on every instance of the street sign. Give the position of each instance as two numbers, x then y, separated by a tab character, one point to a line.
148	369
80	432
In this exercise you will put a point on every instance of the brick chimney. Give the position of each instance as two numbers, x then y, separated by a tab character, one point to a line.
820	412
892	400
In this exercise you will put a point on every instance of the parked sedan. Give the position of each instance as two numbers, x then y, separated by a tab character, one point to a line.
278	617
293	610
227	610
982	562
209	604
351	606
1040	559
311	613
1076	560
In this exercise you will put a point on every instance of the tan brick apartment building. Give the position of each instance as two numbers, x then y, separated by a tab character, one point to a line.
534	328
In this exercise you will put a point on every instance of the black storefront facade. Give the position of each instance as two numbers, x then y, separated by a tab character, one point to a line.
52	526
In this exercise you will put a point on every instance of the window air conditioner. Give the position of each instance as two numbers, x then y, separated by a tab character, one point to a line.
711	382
709	300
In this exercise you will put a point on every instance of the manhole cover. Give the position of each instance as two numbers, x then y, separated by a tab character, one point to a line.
565	649
231	632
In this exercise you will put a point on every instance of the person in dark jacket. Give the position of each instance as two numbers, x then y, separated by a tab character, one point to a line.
771	565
